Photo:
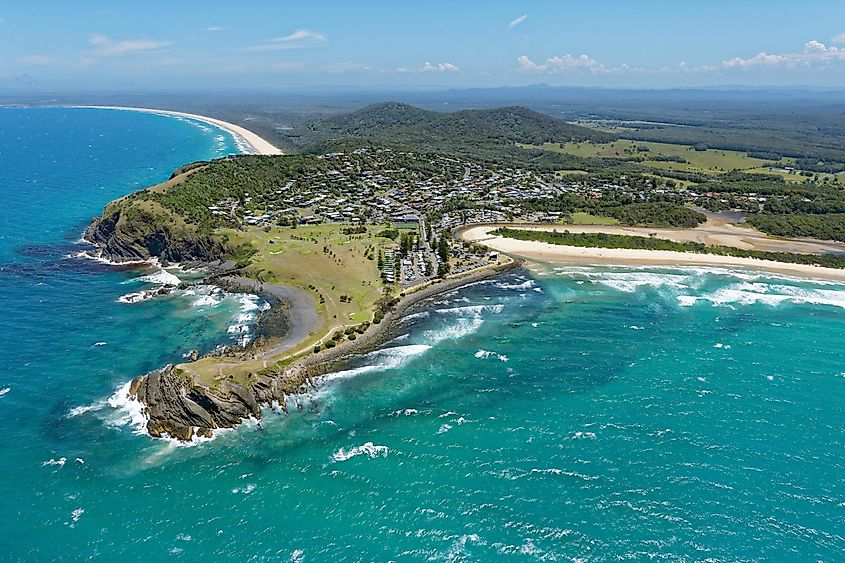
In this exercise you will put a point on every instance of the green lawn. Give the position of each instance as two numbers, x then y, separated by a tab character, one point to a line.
582	218
709	161
319	259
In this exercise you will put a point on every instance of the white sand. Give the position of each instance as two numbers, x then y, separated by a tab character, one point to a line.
546	252
256	143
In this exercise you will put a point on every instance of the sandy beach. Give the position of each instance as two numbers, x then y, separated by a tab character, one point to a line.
546	252
257	144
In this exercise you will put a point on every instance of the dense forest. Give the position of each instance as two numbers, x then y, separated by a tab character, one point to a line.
657	213
490	135
829	226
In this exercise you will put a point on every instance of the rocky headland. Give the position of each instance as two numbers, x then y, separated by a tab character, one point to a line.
175	403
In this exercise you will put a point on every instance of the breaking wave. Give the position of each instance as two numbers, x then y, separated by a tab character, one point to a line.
749	293
380	360
369	449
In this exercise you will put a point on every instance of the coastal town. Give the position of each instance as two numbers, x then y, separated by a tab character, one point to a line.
381	186
426	195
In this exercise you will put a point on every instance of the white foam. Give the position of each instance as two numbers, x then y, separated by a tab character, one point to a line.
95	256
369	449
244	490
749	293
77	514
457	329
469	319
4	390
414	316
206	301
556	471
383	359
76	411
444	428
161	277
528	284
687	300
129	410
57	462
473	310
135	297
482	354
406	412
630	282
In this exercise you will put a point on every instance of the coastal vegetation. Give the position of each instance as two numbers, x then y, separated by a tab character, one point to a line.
460	131
603	240
623	209
664	155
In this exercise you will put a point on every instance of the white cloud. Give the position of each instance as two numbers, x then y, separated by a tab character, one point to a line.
214	28
528	65
761	59
103	46
839	39
815	55
428	67
566	64
296	40
515	22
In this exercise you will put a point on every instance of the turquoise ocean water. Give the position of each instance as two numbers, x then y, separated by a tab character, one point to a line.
560	413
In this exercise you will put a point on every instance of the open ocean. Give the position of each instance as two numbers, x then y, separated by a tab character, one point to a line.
556	414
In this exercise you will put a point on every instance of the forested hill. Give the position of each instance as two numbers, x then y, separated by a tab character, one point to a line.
492	133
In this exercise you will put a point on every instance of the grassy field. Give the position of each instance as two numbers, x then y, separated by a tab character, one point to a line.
581	218
321	260
710	161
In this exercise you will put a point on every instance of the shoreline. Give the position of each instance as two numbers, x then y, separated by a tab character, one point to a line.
258	144
378	334
176	407
562	254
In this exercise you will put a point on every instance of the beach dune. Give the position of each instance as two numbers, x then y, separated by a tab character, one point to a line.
546	252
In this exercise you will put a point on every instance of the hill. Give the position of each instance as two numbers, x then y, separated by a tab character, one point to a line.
491	134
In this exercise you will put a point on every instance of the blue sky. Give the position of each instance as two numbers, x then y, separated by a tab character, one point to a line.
227	45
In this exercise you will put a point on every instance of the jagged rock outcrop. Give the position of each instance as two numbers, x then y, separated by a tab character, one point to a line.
177	408
124	236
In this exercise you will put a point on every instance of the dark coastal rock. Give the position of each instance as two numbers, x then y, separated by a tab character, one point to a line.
124	239
175	407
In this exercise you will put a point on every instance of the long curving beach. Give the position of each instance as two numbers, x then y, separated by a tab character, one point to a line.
257	144
546	252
